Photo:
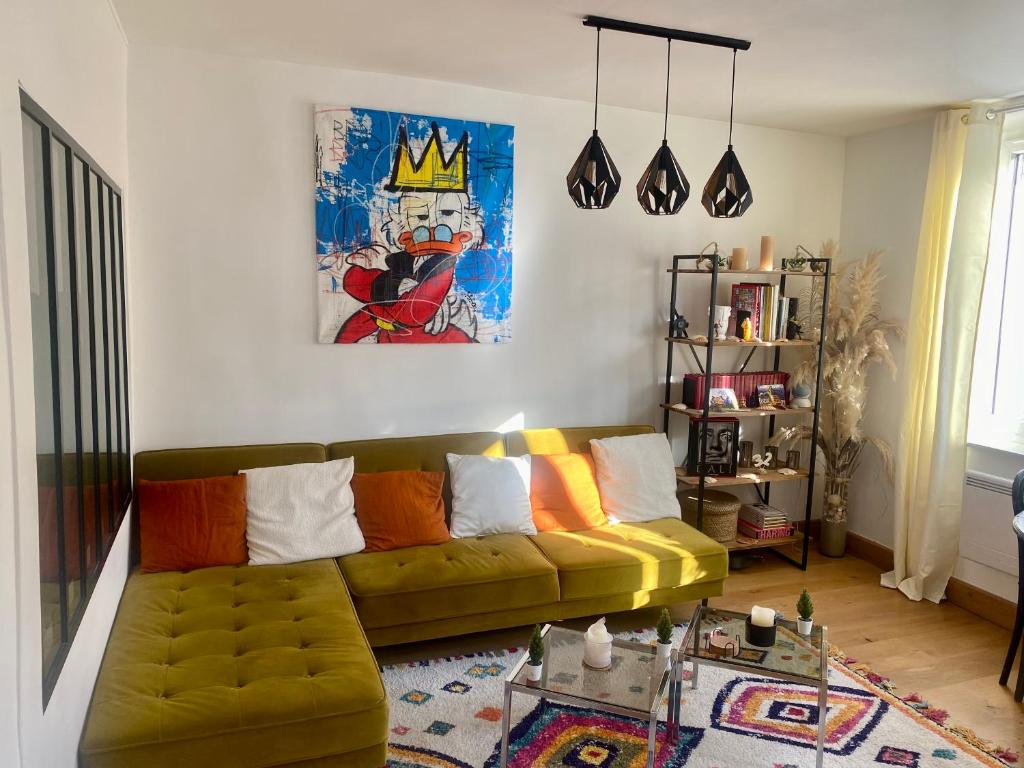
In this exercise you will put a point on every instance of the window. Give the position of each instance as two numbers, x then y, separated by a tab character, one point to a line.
76	278
997	389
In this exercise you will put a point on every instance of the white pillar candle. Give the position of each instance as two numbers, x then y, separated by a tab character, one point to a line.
762	617
767	253
739	259
597	645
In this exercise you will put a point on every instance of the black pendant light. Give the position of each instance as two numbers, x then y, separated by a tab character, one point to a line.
593	181
727	194
663	188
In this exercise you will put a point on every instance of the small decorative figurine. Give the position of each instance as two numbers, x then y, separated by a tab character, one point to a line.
722	322
794	330
744	328
762	463
801	396
678	326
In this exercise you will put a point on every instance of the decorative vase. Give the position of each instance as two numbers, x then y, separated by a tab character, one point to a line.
534	672
722	322
834	516
804	626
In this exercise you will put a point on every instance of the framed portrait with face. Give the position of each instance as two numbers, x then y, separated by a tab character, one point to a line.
723	437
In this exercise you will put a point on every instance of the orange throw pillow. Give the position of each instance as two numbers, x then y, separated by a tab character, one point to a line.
563	493
400	509
186	524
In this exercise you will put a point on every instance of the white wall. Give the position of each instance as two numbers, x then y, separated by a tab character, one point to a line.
71	58
223	280
883	197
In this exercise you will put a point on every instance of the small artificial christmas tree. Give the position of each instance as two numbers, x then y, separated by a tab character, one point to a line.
665	627
536	647
804	606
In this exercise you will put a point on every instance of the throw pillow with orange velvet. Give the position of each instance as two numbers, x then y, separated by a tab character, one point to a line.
400	509
186	524
563	493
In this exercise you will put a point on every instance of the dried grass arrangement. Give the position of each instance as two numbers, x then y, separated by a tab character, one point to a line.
856	339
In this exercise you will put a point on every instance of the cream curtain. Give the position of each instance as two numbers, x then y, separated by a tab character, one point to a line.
951	256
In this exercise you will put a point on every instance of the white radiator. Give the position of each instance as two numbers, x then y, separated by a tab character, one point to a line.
986	536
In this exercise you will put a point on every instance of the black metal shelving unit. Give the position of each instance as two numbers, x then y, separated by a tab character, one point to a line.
705	368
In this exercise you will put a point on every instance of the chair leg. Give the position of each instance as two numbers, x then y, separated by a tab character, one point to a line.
1015	637
1018	694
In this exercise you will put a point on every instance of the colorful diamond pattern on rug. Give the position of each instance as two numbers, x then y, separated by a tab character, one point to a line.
457	686
944	754
897	756
416	697
401	756
493	714
439	728
787	712
483	671
561	735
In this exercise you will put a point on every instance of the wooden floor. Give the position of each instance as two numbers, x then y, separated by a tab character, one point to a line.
948	655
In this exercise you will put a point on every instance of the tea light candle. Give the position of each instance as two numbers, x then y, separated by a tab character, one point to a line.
739	258
762	617
767	253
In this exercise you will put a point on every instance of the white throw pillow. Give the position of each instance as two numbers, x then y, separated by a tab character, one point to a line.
636	477
490	495
301	512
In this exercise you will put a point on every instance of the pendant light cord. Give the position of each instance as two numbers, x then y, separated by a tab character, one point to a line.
732	95
668	74
597	76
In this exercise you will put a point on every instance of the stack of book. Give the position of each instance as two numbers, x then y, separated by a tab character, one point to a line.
763	521
769	310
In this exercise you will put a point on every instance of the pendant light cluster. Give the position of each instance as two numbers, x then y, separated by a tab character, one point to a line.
593	181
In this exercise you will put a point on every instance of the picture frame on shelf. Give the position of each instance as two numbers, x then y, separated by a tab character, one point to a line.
723	399
771	396
723	435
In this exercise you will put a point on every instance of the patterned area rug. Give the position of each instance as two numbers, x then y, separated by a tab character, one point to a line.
446	713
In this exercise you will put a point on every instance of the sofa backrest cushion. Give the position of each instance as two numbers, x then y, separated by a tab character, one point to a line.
425	453
192	463
567	439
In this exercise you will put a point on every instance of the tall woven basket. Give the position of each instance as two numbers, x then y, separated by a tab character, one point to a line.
721	513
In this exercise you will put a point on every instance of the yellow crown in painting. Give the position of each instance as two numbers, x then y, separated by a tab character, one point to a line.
432	173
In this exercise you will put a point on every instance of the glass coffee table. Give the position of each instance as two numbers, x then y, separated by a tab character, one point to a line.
794	657
634	686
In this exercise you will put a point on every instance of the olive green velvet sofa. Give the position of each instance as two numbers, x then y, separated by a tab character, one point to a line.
272	665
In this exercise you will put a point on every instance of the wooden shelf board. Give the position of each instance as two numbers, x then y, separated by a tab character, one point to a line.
698	412
721	272
748	344
742	542
770	476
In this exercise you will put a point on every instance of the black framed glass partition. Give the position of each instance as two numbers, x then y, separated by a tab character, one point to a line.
76	277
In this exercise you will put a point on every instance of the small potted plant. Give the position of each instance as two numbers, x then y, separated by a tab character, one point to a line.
804	611
535	664
796	263
665	629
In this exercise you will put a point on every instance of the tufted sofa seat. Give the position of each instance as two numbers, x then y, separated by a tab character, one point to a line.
237	667
459	578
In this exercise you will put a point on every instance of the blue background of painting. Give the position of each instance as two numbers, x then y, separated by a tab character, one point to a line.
344	203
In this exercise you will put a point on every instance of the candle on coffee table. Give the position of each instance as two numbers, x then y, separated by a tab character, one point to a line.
762	617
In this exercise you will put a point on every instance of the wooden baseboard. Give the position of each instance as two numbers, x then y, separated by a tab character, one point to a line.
991	607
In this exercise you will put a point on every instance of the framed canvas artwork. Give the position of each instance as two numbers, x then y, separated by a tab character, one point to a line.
413	228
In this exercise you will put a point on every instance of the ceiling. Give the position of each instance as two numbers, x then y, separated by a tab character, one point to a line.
828	66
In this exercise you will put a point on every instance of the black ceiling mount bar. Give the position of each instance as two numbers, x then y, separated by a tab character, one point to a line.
603	22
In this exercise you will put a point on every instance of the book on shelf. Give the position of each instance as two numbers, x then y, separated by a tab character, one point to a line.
763	534
763	515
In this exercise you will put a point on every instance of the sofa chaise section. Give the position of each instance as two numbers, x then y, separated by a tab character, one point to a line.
237	667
